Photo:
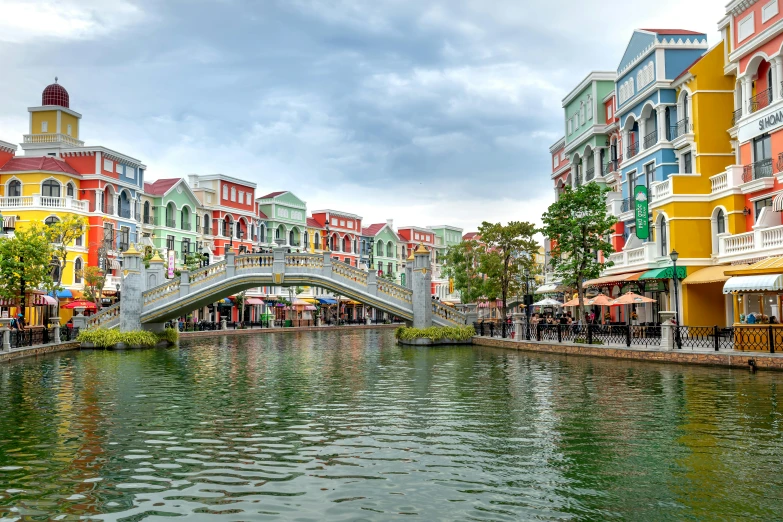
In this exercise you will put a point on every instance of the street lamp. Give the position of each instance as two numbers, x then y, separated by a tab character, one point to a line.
674	256
372	250
327	239
527	292
117	286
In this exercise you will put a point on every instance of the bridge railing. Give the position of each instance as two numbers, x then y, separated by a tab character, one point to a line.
349	272
395	291
168	288
245	261
104	316
448	313
304	260
203	275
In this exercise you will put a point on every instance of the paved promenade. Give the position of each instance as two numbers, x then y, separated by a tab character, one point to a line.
728	358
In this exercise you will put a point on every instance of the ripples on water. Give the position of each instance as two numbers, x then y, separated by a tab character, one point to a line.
349	426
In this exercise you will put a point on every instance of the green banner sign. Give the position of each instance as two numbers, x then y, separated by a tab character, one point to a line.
640	212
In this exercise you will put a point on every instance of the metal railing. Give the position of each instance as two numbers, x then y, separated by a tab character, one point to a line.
626	205
171	223
757	170
736	117
590	173
651	139
632	150
680	128
760	100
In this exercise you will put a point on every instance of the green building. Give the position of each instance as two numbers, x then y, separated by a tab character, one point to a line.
170	221
383	241
286	220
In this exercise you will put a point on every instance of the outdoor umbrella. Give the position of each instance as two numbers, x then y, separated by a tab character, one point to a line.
574	302
89	305
547	302
601	300
630	299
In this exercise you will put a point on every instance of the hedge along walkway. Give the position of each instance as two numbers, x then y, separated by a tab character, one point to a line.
31	351
732	359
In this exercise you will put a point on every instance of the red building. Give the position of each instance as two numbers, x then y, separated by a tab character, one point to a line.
411	237
341	234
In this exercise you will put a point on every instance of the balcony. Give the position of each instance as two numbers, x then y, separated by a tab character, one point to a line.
660	190
758	170
632	150
626	205
53	138
760	101
171	223
148	220
590	173
681	128
24	202
635	258
651	139
730	178
736	117
186	225
763	242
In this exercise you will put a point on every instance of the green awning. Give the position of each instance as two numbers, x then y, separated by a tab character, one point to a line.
664	273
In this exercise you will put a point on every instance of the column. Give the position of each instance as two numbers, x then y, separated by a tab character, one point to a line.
777	77
642	132
626	140
663	133
422	298
747	89
131	287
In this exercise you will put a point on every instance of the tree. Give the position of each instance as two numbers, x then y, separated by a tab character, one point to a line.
506	252
62	234
461	265
193	261
24	261
94	279
578	225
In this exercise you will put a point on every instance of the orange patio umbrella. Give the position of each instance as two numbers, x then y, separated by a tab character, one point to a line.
573	302
632	298
601	300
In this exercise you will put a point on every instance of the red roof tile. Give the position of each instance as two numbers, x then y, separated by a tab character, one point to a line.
313	223
262	215
671	31
161	186
470	235
373	229
273	194
43	163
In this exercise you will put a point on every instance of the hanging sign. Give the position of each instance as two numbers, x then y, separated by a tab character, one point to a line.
171	263
640	212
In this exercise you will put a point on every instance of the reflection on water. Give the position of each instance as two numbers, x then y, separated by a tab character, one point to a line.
349	426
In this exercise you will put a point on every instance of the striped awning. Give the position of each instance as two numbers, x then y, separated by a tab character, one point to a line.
754	283
9	221
114	264
613	280
777	203
32	300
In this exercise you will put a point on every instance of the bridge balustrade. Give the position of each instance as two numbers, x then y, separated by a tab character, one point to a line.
206	274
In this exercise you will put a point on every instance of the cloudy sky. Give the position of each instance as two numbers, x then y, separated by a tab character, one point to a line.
427	112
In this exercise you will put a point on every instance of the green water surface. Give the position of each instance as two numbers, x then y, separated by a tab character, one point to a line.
350	426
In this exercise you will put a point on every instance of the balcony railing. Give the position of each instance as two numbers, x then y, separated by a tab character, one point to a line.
125	213
761	100
757	170
44	201
578	180
590	173
148	220
680	128
765	241
186	225
612	165
736	117
627	205
109	209
207	232
171	223
651	139
53	138
633	150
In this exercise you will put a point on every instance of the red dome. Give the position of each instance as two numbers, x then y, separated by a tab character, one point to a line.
55	94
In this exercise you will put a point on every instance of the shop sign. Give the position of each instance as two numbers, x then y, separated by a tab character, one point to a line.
641	212
755	126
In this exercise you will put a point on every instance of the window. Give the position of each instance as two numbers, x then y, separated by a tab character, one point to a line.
721	218
317	241
760	204
50	189
389	249
225	192
662	236
589	107
44	126
307	239
184	218
335	222
233	194
185	247
79	241
350	224
124	238
581	113
570	130
170	219
170	242
379	248
649	174
241	197
77	271
609	112
147	212
15	189
631	183
762	149
248	199
206	224
768	11
51	220
687	163
108	235
745	27
69	129
342	222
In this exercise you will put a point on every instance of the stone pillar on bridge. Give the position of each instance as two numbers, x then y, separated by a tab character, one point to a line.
184	282
409	272
131	290
372	282
230	263
327	270
421	287
278	264
156	274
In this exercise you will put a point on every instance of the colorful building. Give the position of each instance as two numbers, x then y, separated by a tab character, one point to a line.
176	219
382	249
341	233
286	222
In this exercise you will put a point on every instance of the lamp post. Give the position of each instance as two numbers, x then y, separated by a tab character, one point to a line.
674	256
118	291
527	292
372	250
327	239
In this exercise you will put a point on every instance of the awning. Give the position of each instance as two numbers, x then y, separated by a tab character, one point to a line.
64	294
777	203
612	280
9	222
147	241
547	289
326	301
308	300
754	283
114	264
772	265
711	274
664	273
49	300
254	301
225	300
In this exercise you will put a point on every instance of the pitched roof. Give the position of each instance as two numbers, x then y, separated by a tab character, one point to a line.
262	215
43	163
373	230
273	194
671	31
161	186
470	235
312	223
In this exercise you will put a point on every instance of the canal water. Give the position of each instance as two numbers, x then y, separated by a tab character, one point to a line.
350	426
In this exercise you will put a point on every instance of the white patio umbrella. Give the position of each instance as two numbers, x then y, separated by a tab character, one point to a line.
547	302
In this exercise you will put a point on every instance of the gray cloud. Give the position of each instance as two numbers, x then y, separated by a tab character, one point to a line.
427	112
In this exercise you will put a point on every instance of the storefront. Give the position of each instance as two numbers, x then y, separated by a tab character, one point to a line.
756	292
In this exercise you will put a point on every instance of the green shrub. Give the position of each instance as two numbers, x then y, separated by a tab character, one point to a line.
435	333
106	338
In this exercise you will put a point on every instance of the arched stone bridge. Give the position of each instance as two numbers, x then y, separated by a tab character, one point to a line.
193	290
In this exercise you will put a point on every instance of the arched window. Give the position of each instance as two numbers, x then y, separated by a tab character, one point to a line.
662	235
170	219
205	224
77	271
262	233
15	189
147	212
50	189
379	249
291	238
69	190
228	227
184	218
306	239
389	249
685	109
317	241
721	222
51	220
124	204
